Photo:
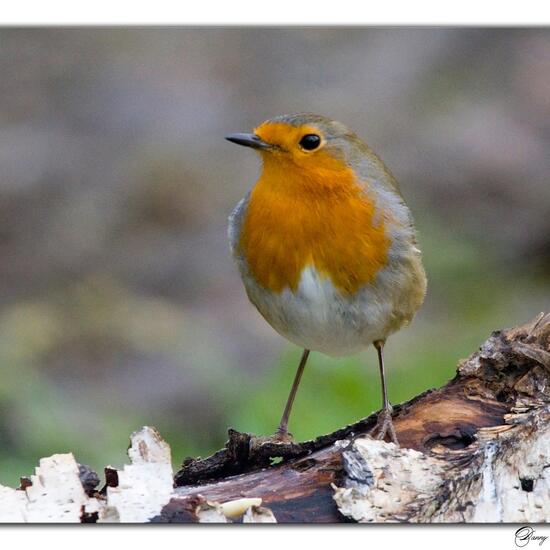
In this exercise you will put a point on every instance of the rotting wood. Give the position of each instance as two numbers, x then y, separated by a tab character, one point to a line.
474	450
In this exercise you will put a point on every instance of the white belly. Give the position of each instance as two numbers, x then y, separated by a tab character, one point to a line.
318	317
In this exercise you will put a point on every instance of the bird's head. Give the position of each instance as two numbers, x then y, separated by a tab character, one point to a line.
312	146
313	153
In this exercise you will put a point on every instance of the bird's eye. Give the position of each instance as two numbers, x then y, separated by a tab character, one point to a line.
310	142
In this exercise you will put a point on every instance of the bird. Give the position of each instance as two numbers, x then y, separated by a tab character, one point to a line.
326	246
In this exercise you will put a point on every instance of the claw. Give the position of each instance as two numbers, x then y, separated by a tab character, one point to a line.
278	438
384	426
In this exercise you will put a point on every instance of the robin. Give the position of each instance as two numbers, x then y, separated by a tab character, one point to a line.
326	246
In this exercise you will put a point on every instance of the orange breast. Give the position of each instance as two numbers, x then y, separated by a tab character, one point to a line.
313	218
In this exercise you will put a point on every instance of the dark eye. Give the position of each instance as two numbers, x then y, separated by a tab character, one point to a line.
310	142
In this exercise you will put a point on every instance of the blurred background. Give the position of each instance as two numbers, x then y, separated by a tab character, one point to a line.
119	302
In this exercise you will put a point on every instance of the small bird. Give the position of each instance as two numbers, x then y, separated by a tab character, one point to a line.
326	246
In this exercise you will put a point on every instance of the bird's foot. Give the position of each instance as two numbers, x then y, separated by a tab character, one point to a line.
384	426
282	438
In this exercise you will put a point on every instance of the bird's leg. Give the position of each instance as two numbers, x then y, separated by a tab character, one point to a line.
282	434
384	424
282	431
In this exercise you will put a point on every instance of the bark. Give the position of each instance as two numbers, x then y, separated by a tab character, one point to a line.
474	450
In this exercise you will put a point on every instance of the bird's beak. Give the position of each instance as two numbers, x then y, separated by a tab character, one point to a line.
248	140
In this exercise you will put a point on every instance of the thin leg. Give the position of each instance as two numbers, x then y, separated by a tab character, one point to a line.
384	424
283	425
380	350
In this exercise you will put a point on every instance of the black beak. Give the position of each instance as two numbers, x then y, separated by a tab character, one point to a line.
248	140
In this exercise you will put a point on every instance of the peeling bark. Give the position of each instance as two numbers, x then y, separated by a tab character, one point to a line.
474	450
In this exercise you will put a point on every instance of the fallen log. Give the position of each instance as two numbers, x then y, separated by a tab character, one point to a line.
475	450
